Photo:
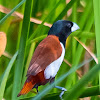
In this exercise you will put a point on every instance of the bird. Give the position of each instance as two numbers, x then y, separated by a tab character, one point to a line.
48	57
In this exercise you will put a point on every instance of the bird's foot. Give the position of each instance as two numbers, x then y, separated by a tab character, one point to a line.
37	90
63	90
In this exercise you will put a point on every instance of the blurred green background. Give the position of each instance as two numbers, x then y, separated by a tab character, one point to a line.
24	34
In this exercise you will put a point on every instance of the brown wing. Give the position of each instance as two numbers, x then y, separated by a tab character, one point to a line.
46	52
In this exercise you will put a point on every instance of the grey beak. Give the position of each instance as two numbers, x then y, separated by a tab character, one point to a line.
75	27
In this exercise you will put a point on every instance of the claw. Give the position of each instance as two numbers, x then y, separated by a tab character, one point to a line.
61	94
63	90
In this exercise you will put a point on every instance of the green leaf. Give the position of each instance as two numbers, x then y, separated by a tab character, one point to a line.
6	74
4	18
68	6
96	4
78	88
21	53
89	91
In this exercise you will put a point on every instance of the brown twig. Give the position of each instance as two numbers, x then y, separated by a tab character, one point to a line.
92	54
17	14
6	54
79	74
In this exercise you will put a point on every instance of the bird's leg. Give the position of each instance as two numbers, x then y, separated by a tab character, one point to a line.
58	87
61	88
52	80
37	89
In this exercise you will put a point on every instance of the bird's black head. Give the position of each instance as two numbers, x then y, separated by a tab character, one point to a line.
63	29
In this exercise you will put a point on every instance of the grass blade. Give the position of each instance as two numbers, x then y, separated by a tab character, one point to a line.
6	74
68	6
78	89
4	18
48	17
32	48
97	28
90	91
21	52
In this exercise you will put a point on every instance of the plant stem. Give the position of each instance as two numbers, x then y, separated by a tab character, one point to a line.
20	60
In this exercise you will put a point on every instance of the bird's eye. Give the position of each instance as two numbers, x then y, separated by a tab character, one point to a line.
69	25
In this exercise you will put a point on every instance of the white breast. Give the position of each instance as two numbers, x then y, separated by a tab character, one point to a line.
52	69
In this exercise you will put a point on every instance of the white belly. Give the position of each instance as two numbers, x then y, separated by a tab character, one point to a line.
52	69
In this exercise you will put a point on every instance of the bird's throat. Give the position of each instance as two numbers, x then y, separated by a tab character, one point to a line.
62	39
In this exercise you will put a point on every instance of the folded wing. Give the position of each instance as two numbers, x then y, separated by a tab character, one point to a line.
46	52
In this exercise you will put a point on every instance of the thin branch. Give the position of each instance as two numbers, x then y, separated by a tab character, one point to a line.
17	14
6	54
66	61
92	54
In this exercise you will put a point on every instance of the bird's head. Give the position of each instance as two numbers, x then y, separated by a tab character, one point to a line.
63	29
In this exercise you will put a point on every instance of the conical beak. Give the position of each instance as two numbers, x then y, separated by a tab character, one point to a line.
74	27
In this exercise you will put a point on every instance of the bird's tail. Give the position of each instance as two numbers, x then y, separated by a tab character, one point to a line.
29	84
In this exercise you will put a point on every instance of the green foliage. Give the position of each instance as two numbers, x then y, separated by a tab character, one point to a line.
5	75
23	36
21	51
97	29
